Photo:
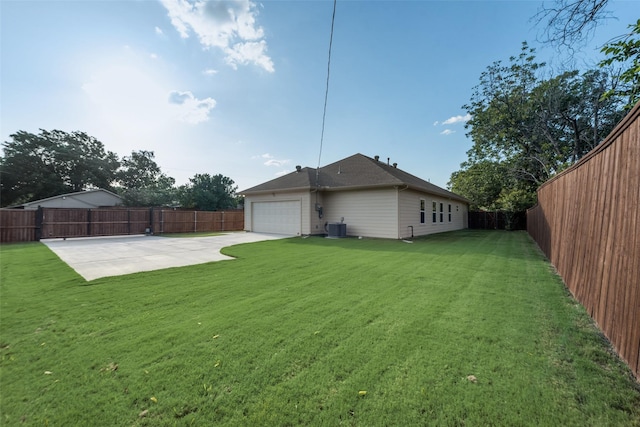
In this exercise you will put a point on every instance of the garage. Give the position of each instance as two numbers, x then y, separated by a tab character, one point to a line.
282	217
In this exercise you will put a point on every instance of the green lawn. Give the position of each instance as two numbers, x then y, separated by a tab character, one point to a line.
309	332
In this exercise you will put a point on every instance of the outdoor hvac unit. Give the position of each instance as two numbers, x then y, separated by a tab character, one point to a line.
337	230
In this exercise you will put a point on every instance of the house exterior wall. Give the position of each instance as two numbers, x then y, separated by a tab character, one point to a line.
370	213
382	213
409	214
316	224
302	196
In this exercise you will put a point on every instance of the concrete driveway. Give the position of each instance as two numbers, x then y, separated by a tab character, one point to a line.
95	257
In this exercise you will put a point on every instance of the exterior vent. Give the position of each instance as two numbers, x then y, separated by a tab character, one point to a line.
395	165
337	230
298	168
377	158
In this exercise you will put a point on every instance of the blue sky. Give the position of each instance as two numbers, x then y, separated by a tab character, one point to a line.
237	88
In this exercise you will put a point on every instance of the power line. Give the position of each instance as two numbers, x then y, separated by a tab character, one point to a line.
326	92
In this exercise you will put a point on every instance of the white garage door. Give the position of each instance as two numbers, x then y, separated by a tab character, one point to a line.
276	217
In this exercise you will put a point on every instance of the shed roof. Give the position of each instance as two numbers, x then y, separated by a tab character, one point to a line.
354	172
79	195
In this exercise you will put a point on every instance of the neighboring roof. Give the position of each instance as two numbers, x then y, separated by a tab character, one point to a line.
354	172
78	194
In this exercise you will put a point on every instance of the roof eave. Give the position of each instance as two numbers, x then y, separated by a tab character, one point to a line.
450	196
407	186
274	190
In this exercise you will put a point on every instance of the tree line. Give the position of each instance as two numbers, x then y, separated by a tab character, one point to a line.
50	163
529	123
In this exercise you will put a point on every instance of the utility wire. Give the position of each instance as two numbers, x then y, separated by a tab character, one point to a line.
326	92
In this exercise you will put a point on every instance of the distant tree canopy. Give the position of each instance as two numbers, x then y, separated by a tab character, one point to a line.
210	193
50	163
526	128
36	166
141	182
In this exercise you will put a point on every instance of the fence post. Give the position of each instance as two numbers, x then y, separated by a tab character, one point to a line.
39	220
195	221
88	222
222	221
151	220
128	221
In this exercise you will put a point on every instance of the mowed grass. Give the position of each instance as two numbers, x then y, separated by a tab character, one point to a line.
309	332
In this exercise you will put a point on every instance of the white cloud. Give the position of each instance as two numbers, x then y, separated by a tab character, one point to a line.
159	31
210	72
248	52
447	132
436	123
131	95
229	25
153	56
457	119
189	108
271	161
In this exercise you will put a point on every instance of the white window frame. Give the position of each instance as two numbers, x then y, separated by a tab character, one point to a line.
434	210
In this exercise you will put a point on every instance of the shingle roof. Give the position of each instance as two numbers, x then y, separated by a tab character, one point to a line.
357	171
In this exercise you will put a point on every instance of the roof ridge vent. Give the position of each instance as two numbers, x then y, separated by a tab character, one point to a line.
376	157
298	168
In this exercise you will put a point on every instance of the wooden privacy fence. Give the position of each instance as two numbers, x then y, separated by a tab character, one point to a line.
170	221
587	222
44	223
17	225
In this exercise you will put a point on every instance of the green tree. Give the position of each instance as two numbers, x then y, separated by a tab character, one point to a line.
526	128
538	126
142	183
625	52
480	182
35	166
208	193
502	124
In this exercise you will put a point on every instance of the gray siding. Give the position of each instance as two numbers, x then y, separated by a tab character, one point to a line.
88	200
316	224
383	213
369	213
409	202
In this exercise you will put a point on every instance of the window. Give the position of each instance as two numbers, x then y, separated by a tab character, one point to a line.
423	204
435	210
441	212
449	213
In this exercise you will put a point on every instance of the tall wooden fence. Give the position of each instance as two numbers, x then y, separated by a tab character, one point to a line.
587	222
44	223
